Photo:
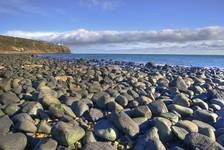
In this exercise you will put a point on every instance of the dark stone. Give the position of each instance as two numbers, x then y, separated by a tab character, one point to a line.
199	141
99	146
5	124
15	141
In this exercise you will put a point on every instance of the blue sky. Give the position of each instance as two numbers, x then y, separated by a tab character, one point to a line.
96	26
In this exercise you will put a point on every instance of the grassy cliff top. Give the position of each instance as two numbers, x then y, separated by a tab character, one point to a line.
20	45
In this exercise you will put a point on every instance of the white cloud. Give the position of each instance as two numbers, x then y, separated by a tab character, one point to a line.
205	39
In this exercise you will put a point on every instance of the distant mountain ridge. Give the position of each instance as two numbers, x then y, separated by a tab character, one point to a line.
11	45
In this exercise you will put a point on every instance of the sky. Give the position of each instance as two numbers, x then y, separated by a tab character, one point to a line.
119	26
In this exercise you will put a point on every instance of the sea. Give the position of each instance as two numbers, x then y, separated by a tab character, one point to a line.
211	61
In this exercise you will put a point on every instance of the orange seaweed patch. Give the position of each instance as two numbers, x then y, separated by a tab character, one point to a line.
40	135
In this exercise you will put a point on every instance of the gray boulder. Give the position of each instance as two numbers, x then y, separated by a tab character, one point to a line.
5	124
99	146
125	123
15	141
67	134
106	130
8	98
46	144
199	141
158	107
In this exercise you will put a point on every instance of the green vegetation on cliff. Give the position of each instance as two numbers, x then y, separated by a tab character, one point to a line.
20	45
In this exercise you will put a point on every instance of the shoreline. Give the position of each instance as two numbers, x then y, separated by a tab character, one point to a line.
92	104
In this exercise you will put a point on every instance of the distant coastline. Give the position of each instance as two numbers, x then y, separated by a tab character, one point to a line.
15	45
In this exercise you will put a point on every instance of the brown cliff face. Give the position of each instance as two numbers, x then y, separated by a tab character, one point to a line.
11	45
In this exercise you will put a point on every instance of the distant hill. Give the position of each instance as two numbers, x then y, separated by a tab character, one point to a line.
10	45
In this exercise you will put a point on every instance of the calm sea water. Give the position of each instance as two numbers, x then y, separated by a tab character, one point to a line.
184	60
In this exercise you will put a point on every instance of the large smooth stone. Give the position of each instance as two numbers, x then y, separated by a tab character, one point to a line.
32	108
199	141
15	141
95	114
106	130
150	140
158	107
205	116
79	107
125	123
8	98
200	103
183	111
66	134
48	100
164	128
171	116
5	124
99	146
46	144
202	124
23	122
182	99
140	111
188	125
180	84
179	132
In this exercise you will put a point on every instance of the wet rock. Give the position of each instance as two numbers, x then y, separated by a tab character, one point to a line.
66	134
15	141
125	123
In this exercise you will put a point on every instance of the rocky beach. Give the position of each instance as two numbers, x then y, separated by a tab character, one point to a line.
49	104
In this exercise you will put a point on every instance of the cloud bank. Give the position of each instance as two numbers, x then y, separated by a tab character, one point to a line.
208	39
